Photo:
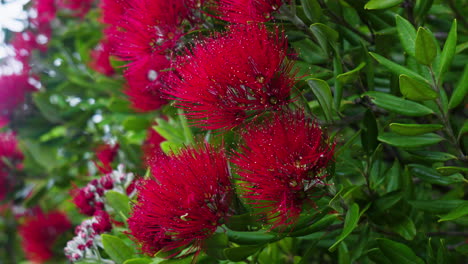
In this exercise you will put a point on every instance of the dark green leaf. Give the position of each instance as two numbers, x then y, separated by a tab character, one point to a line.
410	141
316	227
437	206
396	68
243	222
414	129
448	170
425	47
351	221
398	105
214	246
240	253
405	228
456	213
312	9
416	90
382	4
325	35
116	248
463	130
407	34
460	90
430	175
323	94
250	238
448	52
370	132
397	252
386	202
350	76
432	155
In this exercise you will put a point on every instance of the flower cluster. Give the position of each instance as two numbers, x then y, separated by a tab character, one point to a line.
105	154
90	198
185	200
87	237
247	11
39	233
256	77
281	163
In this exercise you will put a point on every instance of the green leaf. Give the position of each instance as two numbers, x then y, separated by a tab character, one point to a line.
49	111
240	253
410	141
138	261
425	47
405	228
323	94
397	252
136	123
430	175
463	130
214	246
436	206
448	170
351	222
386	202
369	133
416	90
382	4
414	129
250	238
352	75
116	248
312	9
456	213
432	155
325	35
315	227
45	156
407	34
460	90
398	105
243	222
396	68
119	202
448	52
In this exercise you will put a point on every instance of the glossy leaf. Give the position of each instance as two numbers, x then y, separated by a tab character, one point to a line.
456	213
407	34
425	47
119	202
447	170
410	141
350	223
398	252
437	206
382	4
405	228
116	248
414	129
352	75
139	261
416	90
312	9
461	90
370	132
398	105
396	68
446	57
431	175
250	238
323	94
432	155
240	253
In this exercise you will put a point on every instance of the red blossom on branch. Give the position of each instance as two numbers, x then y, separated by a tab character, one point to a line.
281	162
40	232
247	11
228	78
13	89
184	202
9	152
100	61
105	154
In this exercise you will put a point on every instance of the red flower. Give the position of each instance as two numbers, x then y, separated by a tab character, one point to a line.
106	154
13	89
100	59
226	79
46	11
247	11
152	144
103	222
23	44
8	151
281	163
40	232
185	201
112	10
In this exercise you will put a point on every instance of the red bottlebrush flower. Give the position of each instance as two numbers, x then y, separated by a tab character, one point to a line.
226	79
106	154
3	121
100	59
112	10
23	44
247	11
40	232
46	11
185	201
13	89
103	222
281	163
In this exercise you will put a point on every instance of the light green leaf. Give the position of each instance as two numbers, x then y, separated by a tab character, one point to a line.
398	105
352	75
119	202
416	90
460	90
425	47
448	52
351	222
456	213
410	141
323	94
396	68
382	4
397	252
116	248
407	34
414	129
